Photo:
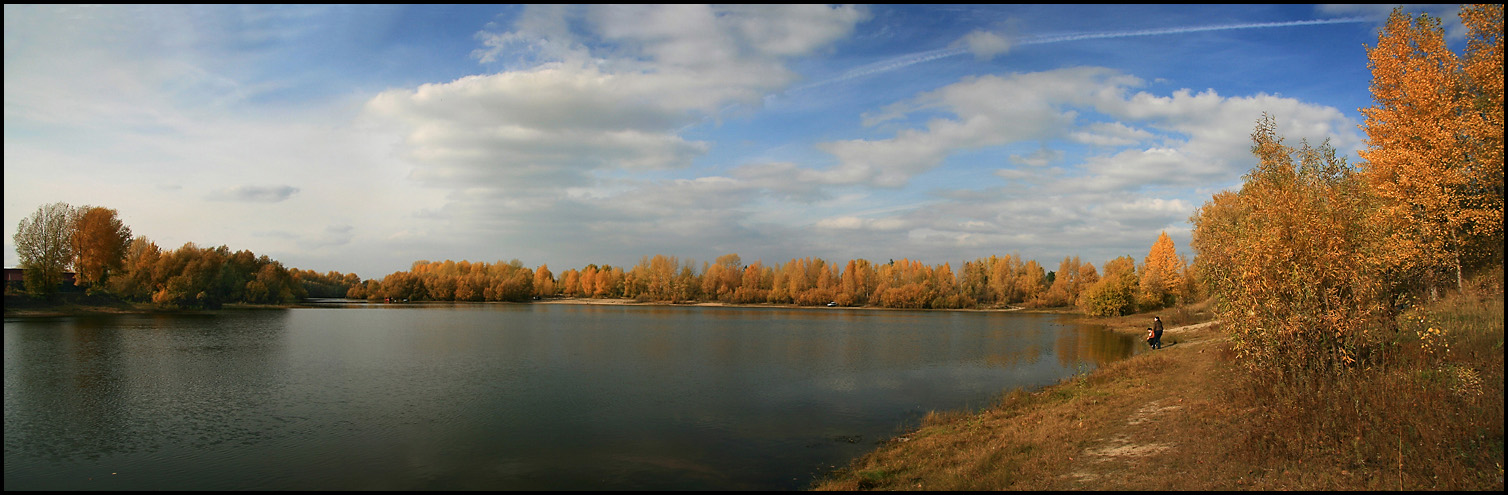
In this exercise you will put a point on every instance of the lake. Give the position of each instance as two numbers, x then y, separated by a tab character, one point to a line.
502	396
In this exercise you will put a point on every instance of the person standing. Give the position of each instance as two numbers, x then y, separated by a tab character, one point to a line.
1156	332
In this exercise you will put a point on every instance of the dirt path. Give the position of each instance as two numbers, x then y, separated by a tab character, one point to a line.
1163	442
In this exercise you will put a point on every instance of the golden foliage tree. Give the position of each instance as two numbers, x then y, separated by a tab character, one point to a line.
1161	275
136	278
1292	260
1434	144
720	279
857	283
1067	283
99	243
1113	294
544	282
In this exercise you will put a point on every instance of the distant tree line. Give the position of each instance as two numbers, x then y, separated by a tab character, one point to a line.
1162	280
94	243
108	259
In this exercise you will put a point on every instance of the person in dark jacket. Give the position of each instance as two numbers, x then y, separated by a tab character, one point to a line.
1156	332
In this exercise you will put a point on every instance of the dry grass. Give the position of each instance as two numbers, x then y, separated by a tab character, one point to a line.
1186	418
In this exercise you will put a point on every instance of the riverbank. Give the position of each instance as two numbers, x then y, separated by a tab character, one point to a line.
78	304
635	302
1142	423
1183	418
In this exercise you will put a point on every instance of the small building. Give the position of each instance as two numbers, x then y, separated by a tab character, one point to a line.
15	278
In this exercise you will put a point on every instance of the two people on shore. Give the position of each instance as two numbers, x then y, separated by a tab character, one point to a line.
1154	333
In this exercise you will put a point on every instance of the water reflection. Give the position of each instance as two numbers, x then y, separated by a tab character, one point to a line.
502	396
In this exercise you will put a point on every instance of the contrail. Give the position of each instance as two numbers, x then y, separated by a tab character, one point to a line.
1180	30
887	66
930	55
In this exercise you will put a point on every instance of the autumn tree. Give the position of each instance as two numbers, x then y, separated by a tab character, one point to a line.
945	290
330	284
1002	280
1067	283
44	245
974	281
1293	261
1484	128
1434	144
1160	282
755	284
137	278
609	282
99	240
857	282
544	282
507	282
720	279
1030	283
1114	294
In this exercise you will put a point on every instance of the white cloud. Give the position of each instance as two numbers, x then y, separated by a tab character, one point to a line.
1040	158
986	45
1153	153
553	125
988	111
1110	134
254	194
574	130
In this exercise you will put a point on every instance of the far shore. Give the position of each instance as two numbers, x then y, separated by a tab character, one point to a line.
635	302
24	307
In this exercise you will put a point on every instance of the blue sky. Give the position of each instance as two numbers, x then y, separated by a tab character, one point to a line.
363	138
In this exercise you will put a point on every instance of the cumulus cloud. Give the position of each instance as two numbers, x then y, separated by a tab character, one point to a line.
580	111
1151	153
590	103
1185	137
987	110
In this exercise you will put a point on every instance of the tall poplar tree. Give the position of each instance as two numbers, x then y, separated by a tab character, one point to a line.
1432	154
1160	276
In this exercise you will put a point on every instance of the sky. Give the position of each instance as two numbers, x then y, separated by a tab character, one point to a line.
360	139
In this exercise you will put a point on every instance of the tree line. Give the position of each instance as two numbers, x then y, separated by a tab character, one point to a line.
1161	280
93	242
108	259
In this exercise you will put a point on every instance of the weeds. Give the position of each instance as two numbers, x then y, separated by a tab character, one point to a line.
1428	416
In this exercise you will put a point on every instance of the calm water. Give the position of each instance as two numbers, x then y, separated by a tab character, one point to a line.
501	396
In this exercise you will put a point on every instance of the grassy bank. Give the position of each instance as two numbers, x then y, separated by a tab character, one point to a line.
1186	418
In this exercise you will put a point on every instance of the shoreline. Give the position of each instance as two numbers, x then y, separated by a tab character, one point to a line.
22	307
1089	432
716	304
